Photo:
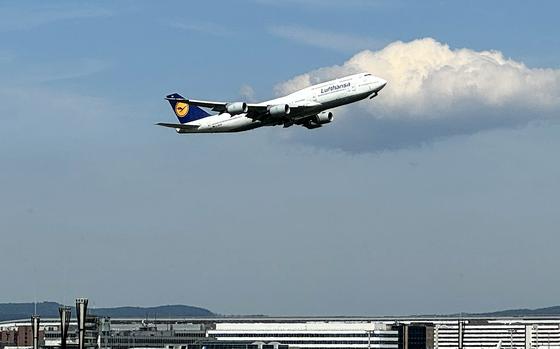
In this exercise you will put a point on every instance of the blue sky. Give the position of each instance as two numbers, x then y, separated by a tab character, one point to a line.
429	201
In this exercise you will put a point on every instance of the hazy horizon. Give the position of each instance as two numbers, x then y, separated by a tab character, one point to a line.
219	314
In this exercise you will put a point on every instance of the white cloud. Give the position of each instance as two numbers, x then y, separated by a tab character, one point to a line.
454	91
426	76
324	39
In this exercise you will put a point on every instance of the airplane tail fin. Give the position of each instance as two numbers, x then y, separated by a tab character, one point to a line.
185	112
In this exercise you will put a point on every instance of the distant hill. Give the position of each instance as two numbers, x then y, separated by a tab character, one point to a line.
549	311
161	311
14	311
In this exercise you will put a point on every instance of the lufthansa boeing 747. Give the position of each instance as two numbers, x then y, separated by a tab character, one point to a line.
307	107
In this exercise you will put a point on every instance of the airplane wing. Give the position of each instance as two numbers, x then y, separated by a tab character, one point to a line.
255	111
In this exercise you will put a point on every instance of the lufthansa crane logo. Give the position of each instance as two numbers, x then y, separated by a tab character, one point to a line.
181	109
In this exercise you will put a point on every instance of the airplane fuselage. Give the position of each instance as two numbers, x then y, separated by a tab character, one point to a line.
316	99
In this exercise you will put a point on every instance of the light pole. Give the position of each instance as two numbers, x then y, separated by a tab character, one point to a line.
35	329
81	312
65	314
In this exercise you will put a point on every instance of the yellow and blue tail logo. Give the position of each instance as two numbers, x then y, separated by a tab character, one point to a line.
185	112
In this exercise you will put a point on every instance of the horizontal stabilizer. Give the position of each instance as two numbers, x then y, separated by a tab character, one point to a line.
179	126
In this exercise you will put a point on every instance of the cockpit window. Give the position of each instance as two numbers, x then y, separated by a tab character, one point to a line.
367	74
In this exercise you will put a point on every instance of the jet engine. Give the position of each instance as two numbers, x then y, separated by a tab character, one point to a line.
237	108
279	110
323	117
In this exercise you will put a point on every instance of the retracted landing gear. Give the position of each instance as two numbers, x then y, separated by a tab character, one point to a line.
288	121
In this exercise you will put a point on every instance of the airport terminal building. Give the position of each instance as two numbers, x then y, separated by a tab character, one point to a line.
401	333
293	333
312	335
518	333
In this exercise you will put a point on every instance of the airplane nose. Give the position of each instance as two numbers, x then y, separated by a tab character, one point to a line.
382	84
378	84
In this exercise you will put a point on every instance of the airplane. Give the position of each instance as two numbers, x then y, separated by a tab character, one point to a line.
308	107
